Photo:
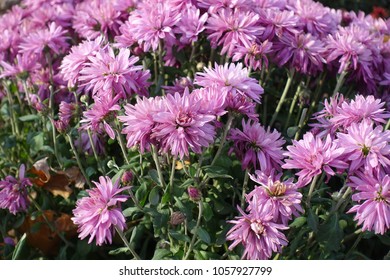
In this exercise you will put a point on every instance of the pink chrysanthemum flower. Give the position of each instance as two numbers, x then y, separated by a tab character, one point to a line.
303	52
230	77
215	5
99	213
93	18
14	193
373	196
99	117
229	28
65	114
84	145
53	38
212	100
24	64
154	21
182	127
75	61
254	55
138	122
279	198
256	147
359	109
109	72
256	231
179	85
125	39
366	146
241	105
277	23
312	156
191	25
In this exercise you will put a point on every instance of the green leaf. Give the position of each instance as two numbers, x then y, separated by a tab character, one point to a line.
141	193
216	172
165	198
159	254
312	221
207	211
330	233
298	222
28	118
118	175
36	143
292	130
154	175
154	196
118	251
129	211
19	247
204	235
179	236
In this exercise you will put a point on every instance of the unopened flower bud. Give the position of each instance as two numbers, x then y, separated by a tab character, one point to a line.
177	218
194	193
127	178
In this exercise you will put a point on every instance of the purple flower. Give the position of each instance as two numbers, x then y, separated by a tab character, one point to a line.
97	214
24	64
179	85
98	118
215	5
365	145
65	114
14	193
84	143
312	156
257	233
138	122
181	126
212	100
230	77
256	147
254	55
191	25
241	105
279	198
373	196
154	21
229	28
109	72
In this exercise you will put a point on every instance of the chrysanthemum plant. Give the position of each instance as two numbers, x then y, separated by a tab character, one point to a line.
193	130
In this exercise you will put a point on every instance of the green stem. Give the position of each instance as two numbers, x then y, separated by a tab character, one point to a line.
53	128
283	97
196	229
79	161
172	175
312	187
122	236
342	199
301	123
340	82
387	125
121	143
99	162
14	121
212	55
223	139
244	187
293	104
158	167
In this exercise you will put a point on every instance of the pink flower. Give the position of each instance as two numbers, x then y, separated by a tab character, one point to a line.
14	193
373	196
366	146
97	214
312	156
138	122
229	28
256	147
179	85
191	25
279	198
182	127
230	77
65	114
254	54
84	143
241	105
53	38
24	64
109	72
98	118
257	233
215	5
212	100
154	21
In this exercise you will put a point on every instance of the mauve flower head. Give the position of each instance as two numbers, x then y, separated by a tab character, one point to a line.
181	126
311	156
100	116
138	122
14	193
84	146
277	23
24	64
229	28
179	85
215	5
365	145
153	21
279	198
303	52
372	192
212	100
96	17
257	147
315	18
255	55
230	77
53	38
241	105
74	62
125	38
270	4
191	25
359	109
109	72
324	125
65	114
99	213
257	233
194	193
